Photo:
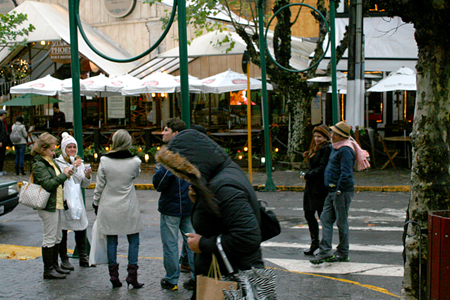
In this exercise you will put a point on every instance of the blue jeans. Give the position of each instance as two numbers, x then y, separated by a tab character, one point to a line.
133	248
335	209
169	237
20	155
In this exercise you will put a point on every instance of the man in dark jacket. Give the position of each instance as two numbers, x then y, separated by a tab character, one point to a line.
3	140
59	118
229	207
175	208
339	181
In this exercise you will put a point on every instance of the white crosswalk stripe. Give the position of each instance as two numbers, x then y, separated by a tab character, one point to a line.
338	267
353	247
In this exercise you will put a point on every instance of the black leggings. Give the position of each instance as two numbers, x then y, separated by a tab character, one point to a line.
310	216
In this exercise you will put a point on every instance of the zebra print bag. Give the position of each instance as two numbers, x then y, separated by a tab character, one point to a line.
254	284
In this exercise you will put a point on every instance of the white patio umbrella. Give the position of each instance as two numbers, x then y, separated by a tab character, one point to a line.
341	82
192	80
117	84
227	81
154	83
48	86
97	86
404	79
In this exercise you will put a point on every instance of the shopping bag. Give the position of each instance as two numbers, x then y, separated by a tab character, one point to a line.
73	198
212	287
254	284
98	254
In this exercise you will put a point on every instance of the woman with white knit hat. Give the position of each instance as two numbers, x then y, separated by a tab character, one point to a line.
82	176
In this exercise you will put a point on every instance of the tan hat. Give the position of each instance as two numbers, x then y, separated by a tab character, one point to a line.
342	128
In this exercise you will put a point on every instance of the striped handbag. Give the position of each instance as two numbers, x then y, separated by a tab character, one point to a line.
33	195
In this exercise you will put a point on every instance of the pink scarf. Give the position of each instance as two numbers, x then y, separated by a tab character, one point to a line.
361	155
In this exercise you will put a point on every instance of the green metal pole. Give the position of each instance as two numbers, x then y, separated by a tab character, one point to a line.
270	186
75	66
184	71
334	98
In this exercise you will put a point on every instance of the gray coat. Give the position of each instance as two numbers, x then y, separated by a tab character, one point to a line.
115	196
21	128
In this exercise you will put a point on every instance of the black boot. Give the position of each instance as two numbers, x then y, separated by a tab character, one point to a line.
17	171
132	277
22	172
49	271
314	246
80	238
114	274
55	261
65	264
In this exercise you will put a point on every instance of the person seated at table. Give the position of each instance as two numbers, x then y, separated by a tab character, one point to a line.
59	118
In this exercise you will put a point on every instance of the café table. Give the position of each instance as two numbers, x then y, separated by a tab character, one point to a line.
406	142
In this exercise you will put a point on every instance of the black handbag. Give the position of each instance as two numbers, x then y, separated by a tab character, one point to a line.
270	226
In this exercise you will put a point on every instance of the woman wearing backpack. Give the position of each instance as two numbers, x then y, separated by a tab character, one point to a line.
19	137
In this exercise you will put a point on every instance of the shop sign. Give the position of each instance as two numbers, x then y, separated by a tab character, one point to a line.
116	107
60	52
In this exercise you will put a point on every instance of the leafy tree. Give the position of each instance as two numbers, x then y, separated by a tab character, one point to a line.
430	178
13	37
293	85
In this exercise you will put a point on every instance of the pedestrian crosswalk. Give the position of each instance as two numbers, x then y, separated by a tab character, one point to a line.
305	266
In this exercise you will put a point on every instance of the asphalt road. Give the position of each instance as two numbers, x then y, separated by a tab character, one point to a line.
374	272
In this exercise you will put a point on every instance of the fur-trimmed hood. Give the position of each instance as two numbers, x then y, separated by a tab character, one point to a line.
185	156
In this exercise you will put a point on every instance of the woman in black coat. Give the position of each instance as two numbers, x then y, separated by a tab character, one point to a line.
225	204
315	190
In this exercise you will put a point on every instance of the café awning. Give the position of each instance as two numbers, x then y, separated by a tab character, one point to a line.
52	24
30	100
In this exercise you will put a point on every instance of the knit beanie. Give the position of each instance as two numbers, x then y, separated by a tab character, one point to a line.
67	139
323	130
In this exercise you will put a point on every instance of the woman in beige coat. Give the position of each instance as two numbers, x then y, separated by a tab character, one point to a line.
117	206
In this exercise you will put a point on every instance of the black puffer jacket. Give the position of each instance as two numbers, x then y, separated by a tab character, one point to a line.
239	221
315	190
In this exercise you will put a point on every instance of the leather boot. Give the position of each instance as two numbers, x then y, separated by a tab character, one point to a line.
132	277
80	238
22	172
314	246
55	261
17	171
49	271
65	264
114	274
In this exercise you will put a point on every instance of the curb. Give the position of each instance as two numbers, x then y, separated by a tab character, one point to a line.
260	188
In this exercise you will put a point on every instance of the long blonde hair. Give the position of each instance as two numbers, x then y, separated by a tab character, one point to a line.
44	141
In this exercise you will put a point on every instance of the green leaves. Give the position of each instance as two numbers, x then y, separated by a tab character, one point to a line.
9	32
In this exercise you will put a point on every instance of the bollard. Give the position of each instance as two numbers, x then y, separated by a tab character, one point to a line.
438	274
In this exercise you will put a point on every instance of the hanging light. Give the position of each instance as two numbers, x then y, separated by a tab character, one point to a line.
245	149
157	148
276	149
146	157
95	156
43	43
107	148
153	95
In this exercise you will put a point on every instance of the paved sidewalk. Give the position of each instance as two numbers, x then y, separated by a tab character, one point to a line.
388	180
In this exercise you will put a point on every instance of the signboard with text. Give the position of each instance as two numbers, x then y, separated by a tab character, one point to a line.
60	52
116	107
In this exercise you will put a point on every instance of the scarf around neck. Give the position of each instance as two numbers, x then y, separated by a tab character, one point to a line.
310	154
361	155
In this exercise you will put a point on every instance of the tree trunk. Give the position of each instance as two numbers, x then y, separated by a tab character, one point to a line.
430	180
